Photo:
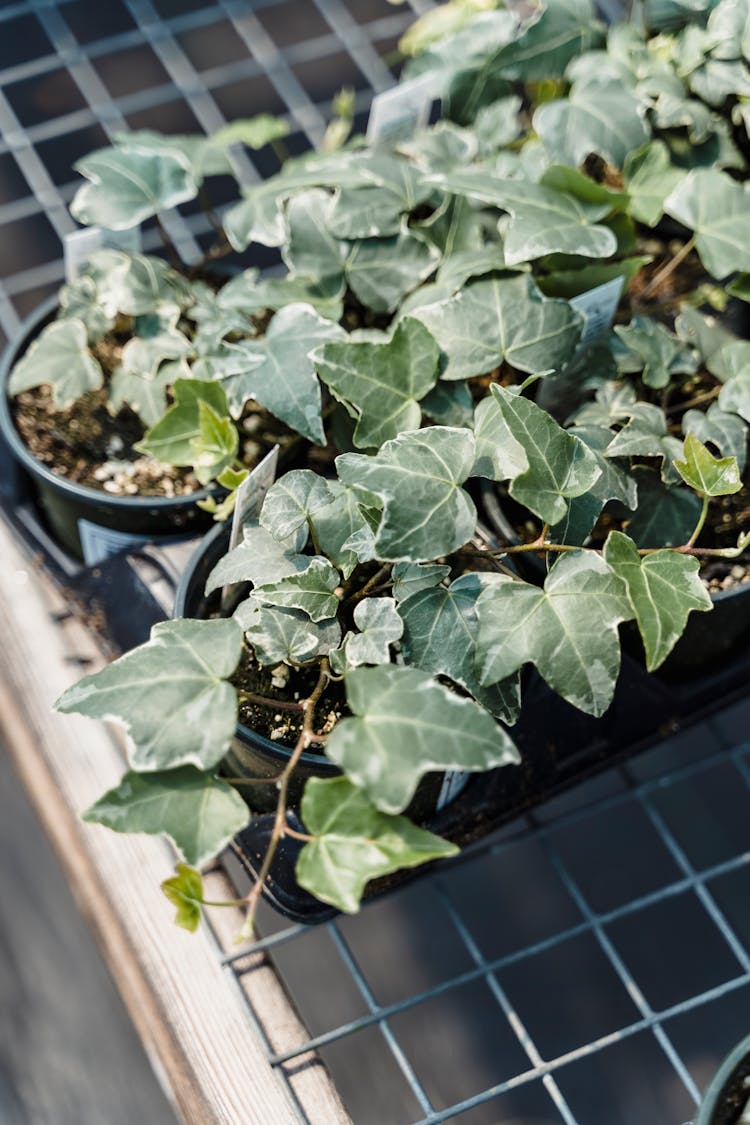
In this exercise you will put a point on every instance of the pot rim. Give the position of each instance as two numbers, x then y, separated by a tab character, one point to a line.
720	1080
29	329
276	750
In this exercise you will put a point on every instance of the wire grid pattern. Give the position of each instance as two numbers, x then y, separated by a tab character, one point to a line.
705	859
84	72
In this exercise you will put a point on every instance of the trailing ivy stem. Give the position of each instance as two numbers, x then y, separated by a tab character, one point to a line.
297	835
378	577
209	212
306	736
228	902
669	268
700	523
273	704
698	400
174	258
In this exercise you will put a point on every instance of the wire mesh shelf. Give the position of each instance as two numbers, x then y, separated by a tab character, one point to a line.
590	964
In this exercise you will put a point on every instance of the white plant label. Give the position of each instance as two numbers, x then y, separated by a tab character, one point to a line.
252	493
396	114
454	782
79	245
598	306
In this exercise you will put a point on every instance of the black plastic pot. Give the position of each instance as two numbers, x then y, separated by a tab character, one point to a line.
252	755
729	1091
64	504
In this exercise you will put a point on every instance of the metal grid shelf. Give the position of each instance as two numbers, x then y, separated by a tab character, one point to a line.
588	965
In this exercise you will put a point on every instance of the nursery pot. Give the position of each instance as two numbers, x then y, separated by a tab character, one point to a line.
729	1090
254	756
89	523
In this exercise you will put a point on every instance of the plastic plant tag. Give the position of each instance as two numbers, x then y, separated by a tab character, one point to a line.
396	114
100	543
79	245
454	783
599	306
252	493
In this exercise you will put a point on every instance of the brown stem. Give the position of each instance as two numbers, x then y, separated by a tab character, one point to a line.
251	780
272	704
171	250
668	269
306	736
297	835
209	212
698	400
378	577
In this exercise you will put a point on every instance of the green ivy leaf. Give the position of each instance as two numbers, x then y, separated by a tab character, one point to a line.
717	208
544	220
500	456
145	391
708	475
278	634
409	578
375	210
604	120
662	589
311	250
260	558
613	402
379	626
572	283
59	357
197	811
613	484
204	156
129	184
255	132
650	177
185	891
171	694
734	396
354	843
666	515
381	384
440	627
654	345
501	319
171	438
724	430
381	271
405	724
417	477
292	500
560	465
646	435
568	630
215	445
335	524
281	374
449	404
311	590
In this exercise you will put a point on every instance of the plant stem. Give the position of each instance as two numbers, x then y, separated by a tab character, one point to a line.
700	523
698	400
229	902
251	781
297	835
171	250
378	577
273	704
280	826
669	268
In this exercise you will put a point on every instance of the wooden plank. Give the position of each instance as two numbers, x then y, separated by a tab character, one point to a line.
187	1008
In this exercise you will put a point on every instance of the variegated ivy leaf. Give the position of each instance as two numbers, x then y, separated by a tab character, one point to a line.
259	218
498	124
729	28
458	267
171	694
499	455
501	319
654	345
292	500
409	578
730	360
724	430
734	397
205	155
130	183
455	227
708	475
615	483
375	210
145	392
353	842
719	79
60	357
255	132
702	332
381	271
135	284
544	220
717	209
200	813
666	514
568	630
441	147
171	438
311	250
662	589
311	590
281	374
561	177
646	435
279	634
564	29
605	120
260	558
80	301
381	384
559	465
449	404
417	477
613	402
405	724
155	339
379	626
440	630
335	525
